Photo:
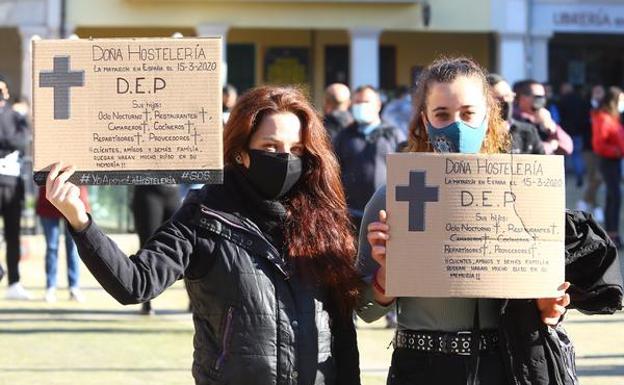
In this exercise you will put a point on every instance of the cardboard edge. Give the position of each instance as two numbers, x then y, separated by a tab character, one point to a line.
397	292
37	175
33	117
138	177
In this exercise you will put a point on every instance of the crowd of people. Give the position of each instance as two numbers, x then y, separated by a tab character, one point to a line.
277	259
584	125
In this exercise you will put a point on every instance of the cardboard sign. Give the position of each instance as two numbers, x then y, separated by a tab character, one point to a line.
129	111
489	226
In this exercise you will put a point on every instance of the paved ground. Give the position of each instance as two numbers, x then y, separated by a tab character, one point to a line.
102	342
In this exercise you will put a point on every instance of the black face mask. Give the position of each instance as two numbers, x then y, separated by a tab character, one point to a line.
273	174
506	110
539	102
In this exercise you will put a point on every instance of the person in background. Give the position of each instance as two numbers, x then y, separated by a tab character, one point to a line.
398	112
336	109
22	108
552	103
597	94
361	149
530	107
152	206
524	136
230	95
14	133
50	219
608	143
574	112
594	179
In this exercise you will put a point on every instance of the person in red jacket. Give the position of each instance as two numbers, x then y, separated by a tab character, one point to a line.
50	221
608	143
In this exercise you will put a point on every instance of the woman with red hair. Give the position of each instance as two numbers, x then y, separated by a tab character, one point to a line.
267	257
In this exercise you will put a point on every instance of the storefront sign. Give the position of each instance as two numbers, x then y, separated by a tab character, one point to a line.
599	18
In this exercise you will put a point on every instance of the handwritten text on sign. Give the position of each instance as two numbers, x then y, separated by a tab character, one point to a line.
475	225
131	111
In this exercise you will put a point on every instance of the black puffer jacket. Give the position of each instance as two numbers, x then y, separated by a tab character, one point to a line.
256	322
536	354
14	132
525	139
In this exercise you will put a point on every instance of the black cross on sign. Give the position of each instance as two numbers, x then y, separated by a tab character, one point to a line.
61	79
417	194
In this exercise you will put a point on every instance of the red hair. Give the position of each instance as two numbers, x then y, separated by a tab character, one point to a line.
318	231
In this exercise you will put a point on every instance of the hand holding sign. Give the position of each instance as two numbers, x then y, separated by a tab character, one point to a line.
378	234
65	196
551	309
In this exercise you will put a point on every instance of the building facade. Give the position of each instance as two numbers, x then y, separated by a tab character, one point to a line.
556	41
585	41
384	43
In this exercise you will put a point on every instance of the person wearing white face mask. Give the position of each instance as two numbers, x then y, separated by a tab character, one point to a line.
361	149
608	143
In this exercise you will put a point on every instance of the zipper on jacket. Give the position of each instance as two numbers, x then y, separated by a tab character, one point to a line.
514	378
225	340
255	230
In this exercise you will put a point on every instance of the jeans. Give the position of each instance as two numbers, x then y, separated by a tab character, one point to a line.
411	367
611	170
594	178
52	232
11	203
578	163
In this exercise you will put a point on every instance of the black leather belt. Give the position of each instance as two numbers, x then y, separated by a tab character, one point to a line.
459	343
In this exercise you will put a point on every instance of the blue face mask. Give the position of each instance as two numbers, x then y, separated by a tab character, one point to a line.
457	137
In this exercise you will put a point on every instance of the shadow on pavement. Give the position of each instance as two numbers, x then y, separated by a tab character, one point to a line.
159	369
65	311
115	330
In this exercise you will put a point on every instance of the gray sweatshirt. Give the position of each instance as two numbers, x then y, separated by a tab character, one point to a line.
416	313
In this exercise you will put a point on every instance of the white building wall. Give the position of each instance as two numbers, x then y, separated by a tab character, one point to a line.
33	18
